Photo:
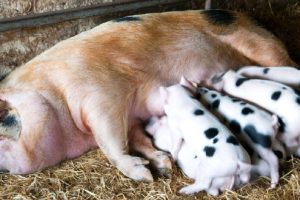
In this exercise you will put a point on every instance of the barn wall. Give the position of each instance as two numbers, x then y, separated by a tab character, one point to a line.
13	8
20	45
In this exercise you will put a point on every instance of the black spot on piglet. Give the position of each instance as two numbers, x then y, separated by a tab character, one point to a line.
215	140
213	95
209	151
281	125
198	112
278	154
240	81
211	133
247	110
266	70
276	95
258	138
215	104
232	140
235	126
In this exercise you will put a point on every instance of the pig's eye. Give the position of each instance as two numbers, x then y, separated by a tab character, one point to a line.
3	113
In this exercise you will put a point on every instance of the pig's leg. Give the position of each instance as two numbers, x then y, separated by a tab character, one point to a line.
108	123
256	43
138	141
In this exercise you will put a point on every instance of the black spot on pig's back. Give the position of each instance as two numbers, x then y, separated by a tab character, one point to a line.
127	19
219	17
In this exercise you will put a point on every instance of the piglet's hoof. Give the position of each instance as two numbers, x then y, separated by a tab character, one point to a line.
188	190
134	168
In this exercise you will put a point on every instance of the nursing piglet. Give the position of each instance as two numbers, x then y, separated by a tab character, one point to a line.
250	124
187	159
274	97
218	151
286	75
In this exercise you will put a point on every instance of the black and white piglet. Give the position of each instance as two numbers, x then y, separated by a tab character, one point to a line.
249	123
219	152
274	97
187	158
283	74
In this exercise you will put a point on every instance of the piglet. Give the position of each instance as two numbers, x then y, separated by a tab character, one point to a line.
250	124
187	158
274	97
283	74
218	151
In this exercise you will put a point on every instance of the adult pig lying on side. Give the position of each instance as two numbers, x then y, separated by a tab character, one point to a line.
96	89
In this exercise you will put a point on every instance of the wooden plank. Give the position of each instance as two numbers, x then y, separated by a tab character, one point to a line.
83	12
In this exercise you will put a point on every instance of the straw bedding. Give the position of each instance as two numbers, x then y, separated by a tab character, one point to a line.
92	177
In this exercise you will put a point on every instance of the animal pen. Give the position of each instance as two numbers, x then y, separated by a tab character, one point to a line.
28	27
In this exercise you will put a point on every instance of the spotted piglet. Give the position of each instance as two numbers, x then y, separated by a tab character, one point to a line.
187	158
274	97
251	124
286	75
218	151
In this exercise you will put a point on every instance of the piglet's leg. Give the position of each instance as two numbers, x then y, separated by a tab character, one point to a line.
272	160
199	185
109	128
139	142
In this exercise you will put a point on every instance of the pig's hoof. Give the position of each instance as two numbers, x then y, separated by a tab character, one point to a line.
162	163
213	191
273	185
134	168
165	172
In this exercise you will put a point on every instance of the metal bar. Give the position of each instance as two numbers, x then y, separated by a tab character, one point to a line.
83	12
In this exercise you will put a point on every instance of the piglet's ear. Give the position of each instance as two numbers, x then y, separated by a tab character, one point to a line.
163	94
188	84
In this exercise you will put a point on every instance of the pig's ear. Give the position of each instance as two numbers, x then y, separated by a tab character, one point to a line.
163	94
188	84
